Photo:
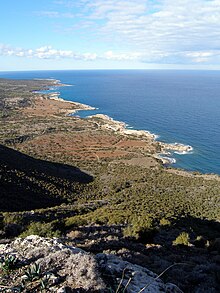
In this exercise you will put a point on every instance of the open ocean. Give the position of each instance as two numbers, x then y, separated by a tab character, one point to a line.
178	106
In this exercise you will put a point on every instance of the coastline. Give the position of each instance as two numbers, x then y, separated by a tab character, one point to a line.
108	123
165	148
80	106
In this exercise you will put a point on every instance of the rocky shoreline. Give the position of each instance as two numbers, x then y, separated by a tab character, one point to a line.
109	123
120	127
79	106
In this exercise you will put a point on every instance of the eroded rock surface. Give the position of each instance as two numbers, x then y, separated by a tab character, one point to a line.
134	277
65	268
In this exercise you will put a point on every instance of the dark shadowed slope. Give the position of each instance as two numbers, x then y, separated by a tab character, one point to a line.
27	183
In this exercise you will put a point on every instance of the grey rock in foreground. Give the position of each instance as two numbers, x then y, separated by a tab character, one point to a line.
73	268
134	277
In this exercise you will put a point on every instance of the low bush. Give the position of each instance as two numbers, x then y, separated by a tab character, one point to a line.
182	239
141	228
165	222
12	218
41	229
75	221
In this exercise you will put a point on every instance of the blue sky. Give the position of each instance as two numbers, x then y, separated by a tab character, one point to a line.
108	34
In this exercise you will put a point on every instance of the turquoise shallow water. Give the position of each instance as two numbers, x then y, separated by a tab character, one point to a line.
179	106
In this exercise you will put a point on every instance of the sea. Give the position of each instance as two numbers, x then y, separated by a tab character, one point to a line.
178	106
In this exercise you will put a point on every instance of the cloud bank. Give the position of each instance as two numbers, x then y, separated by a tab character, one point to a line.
48	52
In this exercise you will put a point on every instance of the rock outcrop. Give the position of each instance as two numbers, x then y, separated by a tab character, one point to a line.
134	277
50	265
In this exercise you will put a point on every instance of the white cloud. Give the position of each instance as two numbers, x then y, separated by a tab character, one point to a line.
51	14
48	52
55	14
153	56
163	31
109	8
109	55
158	30
205	56
172	25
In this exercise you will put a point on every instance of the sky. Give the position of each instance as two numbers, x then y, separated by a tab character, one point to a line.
109	34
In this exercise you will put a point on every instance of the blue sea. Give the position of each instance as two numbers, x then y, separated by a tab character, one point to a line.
178	106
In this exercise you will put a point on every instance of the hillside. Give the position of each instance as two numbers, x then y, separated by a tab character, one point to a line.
28	183
102	190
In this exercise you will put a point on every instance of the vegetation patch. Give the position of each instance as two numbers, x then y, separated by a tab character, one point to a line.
69	176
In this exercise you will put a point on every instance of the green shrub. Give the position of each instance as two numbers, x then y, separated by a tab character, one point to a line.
141	228
165	222
12	218
75	221
41	229
182	239
117	218
8	263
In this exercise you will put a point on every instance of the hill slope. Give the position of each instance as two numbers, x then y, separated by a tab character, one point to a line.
27	183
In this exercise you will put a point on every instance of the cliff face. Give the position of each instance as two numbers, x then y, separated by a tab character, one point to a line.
34	264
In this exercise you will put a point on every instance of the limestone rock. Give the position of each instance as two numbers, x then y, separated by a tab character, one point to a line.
71	268
135	277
